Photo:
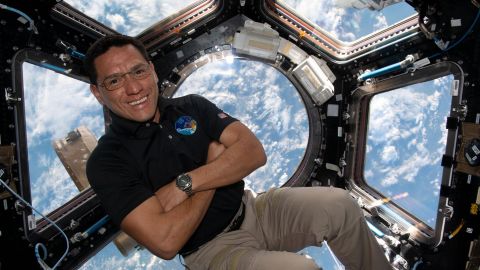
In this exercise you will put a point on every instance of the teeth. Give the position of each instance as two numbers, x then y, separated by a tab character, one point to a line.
136	102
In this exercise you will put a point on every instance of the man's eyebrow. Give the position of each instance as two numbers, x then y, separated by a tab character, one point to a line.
118	74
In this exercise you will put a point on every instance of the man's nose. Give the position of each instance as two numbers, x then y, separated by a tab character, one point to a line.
131	85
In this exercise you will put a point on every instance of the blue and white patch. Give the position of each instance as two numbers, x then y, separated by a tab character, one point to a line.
186	125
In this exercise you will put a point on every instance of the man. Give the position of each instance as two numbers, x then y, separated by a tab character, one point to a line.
169	173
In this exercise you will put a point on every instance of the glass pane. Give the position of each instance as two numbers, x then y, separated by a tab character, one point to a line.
348	23
265	101
54	105
405	143
129	17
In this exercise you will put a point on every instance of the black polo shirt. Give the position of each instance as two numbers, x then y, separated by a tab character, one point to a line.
134	159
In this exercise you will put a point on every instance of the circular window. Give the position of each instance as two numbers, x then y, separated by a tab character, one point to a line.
263	99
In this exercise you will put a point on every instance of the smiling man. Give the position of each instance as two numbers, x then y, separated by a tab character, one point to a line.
169	173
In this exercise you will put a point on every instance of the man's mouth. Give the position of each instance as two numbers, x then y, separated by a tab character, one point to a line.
139	101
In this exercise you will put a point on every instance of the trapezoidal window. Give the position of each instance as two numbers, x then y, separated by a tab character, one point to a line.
130	17
55	105
406	140
347	20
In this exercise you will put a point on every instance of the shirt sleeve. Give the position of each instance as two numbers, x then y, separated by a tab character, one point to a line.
214	119
116	182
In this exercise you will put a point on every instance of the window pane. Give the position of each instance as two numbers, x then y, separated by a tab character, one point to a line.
405	143
348	23
265	101
54	105
129	17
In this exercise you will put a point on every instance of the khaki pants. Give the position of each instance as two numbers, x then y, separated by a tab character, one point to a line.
282	221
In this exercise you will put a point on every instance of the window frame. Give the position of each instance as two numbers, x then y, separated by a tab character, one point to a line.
335	50
85	203
393	214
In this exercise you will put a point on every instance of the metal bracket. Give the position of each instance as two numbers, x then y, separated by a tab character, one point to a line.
446	211
461	109
9	95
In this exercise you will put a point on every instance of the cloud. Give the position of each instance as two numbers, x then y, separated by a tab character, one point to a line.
368	148
443	138
43	160
53	182
433	100
389	153
368	174
380	21
116	20
435	184
391	113
409	166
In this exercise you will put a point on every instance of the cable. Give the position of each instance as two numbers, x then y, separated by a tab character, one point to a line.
409	59
95	227
32	24
457	230
37	254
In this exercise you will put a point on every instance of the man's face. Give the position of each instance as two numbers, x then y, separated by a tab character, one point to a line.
137	99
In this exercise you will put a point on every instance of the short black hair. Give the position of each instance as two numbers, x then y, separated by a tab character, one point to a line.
102	45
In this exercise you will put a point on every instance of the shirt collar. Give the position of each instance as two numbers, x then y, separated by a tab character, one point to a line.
121	125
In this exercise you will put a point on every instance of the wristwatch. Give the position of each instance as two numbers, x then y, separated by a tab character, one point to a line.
184	183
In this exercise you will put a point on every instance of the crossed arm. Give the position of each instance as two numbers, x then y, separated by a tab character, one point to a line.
165	222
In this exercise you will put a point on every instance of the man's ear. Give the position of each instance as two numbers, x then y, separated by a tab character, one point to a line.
96	93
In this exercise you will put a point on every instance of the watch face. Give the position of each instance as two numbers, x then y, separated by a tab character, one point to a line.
184	181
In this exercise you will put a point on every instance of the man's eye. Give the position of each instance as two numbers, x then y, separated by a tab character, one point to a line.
140	71
112	82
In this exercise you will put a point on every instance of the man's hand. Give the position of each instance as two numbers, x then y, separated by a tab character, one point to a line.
170	195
